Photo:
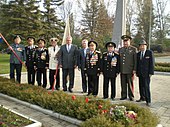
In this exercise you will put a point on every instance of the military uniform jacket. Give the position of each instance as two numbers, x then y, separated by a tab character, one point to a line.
93	63
20	51
53	57
128	59
145	66
41	58
30	51
110	64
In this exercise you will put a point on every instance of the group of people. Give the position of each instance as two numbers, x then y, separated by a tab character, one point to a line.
127	62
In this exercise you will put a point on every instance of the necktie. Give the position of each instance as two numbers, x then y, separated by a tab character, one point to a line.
54	49
84	52
68	48
142	55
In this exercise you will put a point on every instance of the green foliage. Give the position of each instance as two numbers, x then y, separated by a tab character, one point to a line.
9	119
93	111
144	118
24	17
162	67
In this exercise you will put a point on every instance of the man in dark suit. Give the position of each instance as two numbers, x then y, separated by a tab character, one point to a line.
81	63
145	69
127	67
15	64
110	69
68	62
30	50
92	68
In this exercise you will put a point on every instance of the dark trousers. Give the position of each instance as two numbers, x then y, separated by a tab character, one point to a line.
127	82
31	75
18	68
67	72
40	72
144	88
52	77
93	84
106	86
84	81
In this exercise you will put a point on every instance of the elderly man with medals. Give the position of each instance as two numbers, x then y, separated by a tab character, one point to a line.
92	68
110	69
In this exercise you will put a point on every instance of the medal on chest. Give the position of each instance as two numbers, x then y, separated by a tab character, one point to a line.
43	56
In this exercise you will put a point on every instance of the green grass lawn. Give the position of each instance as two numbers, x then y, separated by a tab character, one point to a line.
4	64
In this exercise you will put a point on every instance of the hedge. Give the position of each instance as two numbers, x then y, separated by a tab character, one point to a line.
84	108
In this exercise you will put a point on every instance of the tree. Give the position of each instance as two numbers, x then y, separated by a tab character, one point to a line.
144	21
89	21
160	20
52	26
20	17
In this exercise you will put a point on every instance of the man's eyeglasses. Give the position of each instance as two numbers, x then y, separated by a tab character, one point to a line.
125	40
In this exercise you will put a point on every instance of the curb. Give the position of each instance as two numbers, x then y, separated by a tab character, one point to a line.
162	73
35	124
45	111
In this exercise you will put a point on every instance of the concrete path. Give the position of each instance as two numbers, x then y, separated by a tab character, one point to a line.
160	89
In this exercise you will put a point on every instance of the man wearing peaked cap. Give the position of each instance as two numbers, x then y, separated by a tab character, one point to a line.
110	69
41	62
92	68
15	64
30	50
127	68
145	69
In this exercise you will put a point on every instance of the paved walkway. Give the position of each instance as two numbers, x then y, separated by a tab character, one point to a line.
160	89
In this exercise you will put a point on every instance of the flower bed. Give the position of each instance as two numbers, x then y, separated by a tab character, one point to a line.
91	110
10	119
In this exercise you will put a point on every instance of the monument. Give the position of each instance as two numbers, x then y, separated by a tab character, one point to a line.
119	27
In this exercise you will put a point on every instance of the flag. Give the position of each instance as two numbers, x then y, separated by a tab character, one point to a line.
1	40
66	31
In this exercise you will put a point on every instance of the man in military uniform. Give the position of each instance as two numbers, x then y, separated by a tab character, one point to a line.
92	68
30	50
110	69
41	62
53	52
15	64
127	67
145	69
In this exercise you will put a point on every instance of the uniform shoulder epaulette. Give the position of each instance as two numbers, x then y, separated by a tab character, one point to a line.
104	53
36	46
45	48
98	51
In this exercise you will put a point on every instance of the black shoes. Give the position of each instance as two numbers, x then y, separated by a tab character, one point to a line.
131	99
123	98
70	90
148	104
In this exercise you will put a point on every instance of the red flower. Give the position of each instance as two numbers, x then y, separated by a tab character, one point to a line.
73	97
104	111
87	100
100	106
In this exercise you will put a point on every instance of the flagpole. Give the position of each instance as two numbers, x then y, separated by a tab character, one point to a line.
12	49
